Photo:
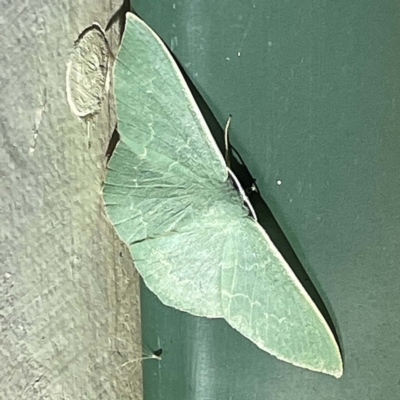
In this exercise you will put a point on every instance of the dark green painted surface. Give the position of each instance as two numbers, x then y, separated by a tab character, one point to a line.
315	97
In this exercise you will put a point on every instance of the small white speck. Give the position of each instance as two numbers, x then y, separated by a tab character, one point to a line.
269	43
279	182
239	53
227	59
174	6
7	275
196	74
290	200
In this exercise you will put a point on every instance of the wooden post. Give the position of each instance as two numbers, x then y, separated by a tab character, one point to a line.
69	308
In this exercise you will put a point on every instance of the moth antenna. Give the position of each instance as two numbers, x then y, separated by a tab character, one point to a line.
243	193
226	136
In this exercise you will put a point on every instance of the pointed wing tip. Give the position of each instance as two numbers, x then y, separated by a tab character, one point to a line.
130	15
335	374
133	17
338	373
335	370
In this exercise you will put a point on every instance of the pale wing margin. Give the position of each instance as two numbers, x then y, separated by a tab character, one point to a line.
157	112
263	299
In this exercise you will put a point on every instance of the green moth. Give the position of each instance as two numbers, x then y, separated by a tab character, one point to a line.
169	195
